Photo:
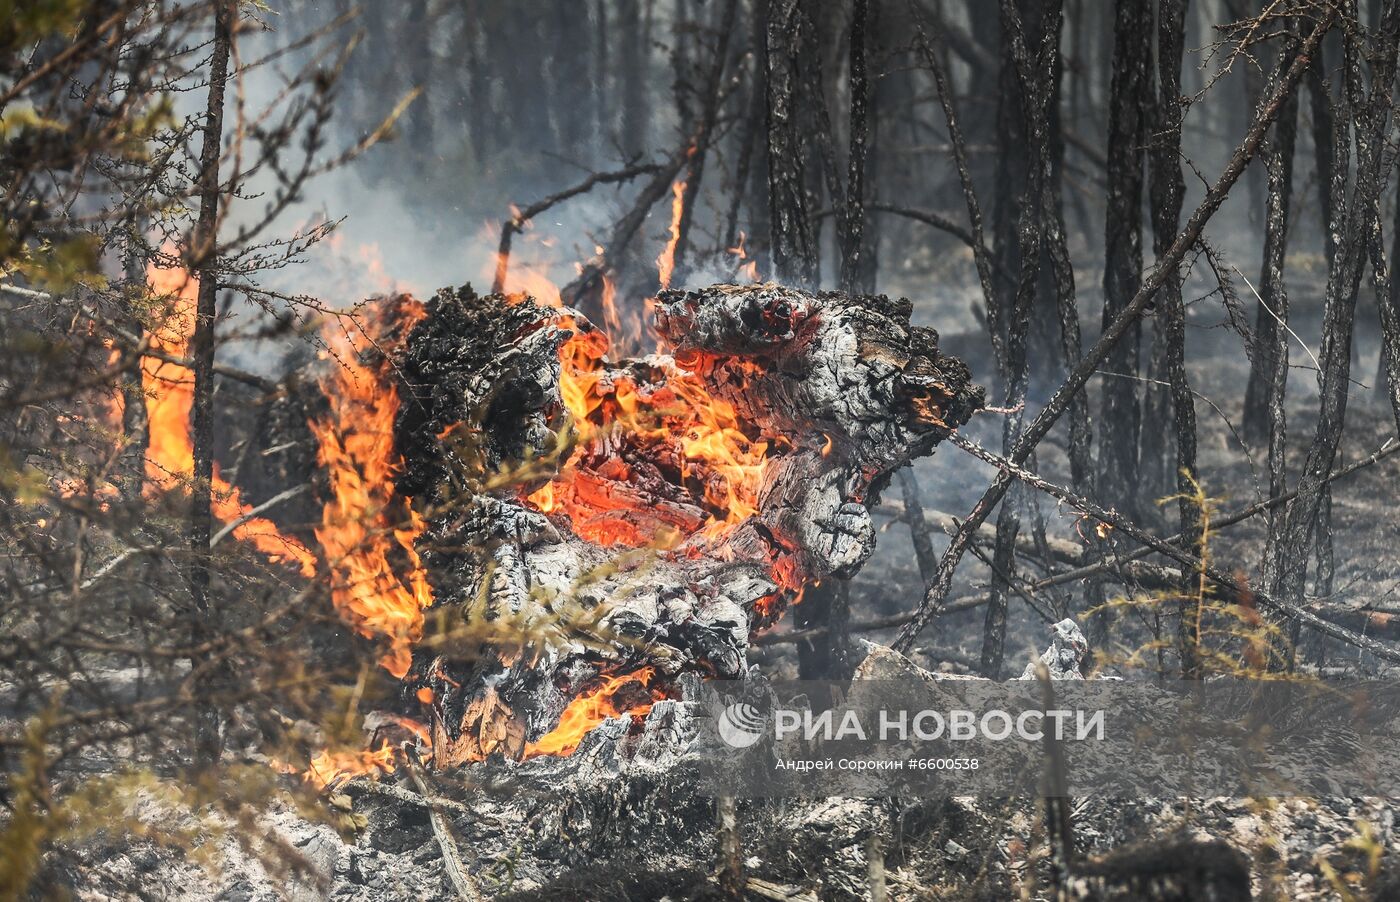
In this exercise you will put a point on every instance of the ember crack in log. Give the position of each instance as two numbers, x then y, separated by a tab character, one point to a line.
681	499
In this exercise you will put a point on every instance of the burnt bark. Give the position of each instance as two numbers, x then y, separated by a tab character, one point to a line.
1390	328
1035	76
1273	345
854	275
1366	122
203	264
792	236
1273	301
1120	420
751	126
1167	190
843	389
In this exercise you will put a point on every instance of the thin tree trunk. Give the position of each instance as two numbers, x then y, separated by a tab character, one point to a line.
1278	160
700	145
1120	419
135	421
1368	116
853	238
792	241
634	52
1035	75
1390	327
204	258
749	127
1258	399
1061	268
1167	190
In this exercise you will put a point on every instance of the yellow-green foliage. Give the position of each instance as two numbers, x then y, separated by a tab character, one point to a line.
24	22
1361	864
1230	636
33	820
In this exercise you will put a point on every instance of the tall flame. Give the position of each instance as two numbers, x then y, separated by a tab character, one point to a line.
169	390
366	532
666	263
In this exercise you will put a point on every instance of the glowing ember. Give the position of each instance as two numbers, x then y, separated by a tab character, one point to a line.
679	419
169	392
627	693
367	534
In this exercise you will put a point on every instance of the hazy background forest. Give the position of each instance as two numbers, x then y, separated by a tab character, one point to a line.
1161	234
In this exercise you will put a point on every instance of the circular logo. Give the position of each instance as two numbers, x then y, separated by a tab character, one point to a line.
741	725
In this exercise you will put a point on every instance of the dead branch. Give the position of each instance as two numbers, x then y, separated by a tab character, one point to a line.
1186	558
1389	448
520	218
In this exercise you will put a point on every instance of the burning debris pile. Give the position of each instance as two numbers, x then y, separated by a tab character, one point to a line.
676	502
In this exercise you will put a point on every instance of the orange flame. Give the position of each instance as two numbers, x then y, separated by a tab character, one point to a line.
591	708
748	269
330	768
169	392
666	263
680	418
365	543
612	320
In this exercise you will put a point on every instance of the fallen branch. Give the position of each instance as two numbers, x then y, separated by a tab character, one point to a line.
461	879
1060	550
399	794
864	626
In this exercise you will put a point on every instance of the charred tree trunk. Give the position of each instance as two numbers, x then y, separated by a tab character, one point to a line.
634	56
1008	196
1167	190
704	130
135	421
1035	75
1270	317
1120	419
751	126
792	238
1367	105
1272	347
853	273
204	259
1390	328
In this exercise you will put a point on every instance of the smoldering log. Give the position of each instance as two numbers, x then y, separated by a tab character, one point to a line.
824	395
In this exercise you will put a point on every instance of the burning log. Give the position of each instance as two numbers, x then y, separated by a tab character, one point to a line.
675	502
